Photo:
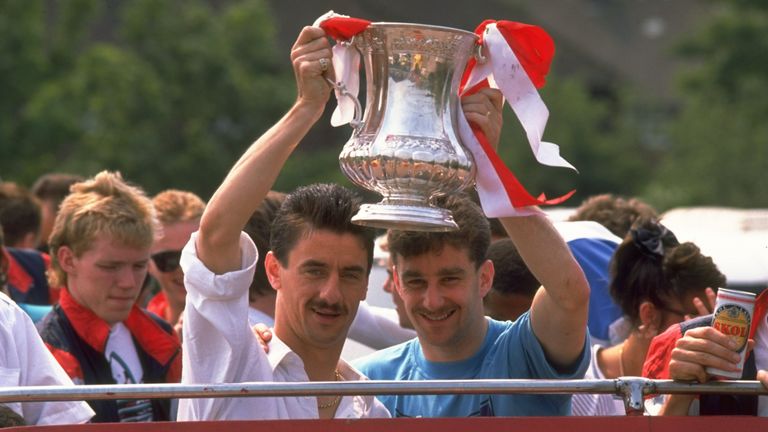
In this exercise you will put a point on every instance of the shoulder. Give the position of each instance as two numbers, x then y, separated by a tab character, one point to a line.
656	364
383	364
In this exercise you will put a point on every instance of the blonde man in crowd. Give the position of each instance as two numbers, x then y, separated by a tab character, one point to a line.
100	248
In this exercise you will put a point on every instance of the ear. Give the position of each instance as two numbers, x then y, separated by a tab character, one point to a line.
396	278
66	258
272	268
485	273
649	315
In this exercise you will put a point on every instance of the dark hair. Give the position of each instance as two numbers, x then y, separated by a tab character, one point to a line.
20	212
511	274
651	265
317	207
473	233
497	229
258	228
54	187
616	213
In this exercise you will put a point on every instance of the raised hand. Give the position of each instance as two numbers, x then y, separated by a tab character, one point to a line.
484	109
311	59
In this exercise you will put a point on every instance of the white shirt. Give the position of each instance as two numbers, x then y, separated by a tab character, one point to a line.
597	404
219	347
25	361
123	359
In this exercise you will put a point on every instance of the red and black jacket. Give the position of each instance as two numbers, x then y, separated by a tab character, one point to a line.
77	338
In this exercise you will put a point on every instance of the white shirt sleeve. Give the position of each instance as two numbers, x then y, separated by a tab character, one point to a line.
378	327
25	361
218	345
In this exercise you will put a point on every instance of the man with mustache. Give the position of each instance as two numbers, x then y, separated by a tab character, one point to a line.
318	264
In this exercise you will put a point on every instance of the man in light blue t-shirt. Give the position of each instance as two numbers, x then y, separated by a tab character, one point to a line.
442	279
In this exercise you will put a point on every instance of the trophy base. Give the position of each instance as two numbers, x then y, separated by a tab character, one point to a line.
405	218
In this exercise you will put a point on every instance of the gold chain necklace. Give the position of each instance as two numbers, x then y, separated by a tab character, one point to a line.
335	400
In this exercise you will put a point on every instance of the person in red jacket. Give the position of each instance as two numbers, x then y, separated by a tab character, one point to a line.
100	250
685	350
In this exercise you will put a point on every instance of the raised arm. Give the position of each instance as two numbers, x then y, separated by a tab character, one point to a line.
559	310
253	175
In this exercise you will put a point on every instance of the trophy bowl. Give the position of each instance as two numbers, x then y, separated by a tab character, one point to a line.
407	147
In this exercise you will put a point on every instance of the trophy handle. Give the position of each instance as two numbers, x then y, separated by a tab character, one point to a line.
356	122
478	54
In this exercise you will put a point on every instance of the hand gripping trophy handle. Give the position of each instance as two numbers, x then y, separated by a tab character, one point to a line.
356	121
406	147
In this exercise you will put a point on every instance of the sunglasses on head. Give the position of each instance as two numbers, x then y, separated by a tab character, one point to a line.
167	261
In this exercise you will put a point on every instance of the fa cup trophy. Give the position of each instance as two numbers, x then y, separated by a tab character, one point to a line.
407	148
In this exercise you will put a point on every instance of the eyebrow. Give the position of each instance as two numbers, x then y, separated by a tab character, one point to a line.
320	264
450	271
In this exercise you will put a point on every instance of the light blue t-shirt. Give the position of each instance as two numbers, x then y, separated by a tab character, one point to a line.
510	350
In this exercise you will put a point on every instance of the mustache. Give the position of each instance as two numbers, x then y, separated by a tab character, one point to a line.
331	308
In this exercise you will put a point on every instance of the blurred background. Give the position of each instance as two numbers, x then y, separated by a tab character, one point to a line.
666	100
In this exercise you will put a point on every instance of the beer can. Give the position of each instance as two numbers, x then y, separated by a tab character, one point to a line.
733	317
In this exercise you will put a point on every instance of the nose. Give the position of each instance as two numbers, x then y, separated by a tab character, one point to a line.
127	278
433	298
330	291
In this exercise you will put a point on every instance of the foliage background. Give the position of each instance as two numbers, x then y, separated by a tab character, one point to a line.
171	92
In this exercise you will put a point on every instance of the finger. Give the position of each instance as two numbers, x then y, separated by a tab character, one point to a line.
310	66
686	371
711	334
762	376
706	354
309	34
480	104
711	299
494	96
701	308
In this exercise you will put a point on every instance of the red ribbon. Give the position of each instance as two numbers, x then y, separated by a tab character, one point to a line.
341	28
516	192
534	49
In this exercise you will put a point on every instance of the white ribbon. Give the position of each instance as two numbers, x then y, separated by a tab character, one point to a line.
346	67
522	96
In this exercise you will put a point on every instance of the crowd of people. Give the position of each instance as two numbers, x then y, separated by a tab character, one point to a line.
103	284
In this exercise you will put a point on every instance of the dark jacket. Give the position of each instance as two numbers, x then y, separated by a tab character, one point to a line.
77	338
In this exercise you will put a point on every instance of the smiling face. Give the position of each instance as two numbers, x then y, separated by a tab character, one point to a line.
319	289
442	292
107	277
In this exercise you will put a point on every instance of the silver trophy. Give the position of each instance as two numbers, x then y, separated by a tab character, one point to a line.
406	147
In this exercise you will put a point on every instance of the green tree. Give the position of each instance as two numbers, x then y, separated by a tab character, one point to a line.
598	136
170	95
719	140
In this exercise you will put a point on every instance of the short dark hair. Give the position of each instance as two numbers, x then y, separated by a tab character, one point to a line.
511	275
473	234
651	265
20	212
614	212
259	227
317	207
54	187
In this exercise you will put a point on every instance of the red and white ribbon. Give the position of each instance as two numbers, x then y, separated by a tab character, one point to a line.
518	58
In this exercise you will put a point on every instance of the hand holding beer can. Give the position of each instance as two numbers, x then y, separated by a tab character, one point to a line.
733	317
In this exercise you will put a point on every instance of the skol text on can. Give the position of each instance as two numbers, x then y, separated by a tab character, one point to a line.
733	317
